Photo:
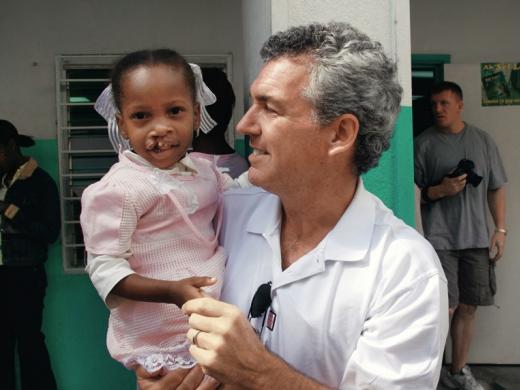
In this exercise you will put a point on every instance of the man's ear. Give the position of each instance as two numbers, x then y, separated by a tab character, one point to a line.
121	125
345	132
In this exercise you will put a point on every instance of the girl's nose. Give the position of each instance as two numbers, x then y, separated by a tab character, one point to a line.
161	129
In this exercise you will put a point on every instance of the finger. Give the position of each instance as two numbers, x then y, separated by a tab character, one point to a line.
163	379
201	281
208	383
205	357
192	380
174	379
206	306
500	251
203	340
191	335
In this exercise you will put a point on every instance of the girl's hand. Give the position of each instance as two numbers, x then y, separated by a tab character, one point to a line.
190	288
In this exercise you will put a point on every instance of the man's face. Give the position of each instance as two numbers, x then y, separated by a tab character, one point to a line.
447	109
286	140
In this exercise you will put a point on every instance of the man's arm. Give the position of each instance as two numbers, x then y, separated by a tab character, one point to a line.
497	208
403	337
449	186
228	349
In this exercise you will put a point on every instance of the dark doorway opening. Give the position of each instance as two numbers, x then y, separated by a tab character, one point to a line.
426	71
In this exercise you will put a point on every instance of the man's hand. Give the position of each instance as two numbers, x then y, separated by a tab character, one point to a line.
498	242
226	346
181	379
451	186
160	380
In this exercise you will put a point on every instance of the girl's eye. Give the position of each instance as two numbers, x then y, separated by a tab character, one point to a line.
175	110
138	115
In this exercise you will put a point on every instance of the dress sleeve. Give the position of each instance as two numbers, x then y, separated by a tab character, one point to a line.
108	219
105	272
403	338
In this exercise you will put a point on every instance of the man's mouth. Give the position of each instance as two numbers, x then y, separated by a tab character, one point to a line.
258	152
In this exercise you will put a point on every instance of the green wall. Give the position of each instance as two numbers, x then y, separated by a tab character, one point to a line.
392	180
75	318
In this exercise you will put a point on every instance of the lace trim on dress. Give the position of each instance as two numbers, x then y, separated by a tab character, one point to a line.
155	362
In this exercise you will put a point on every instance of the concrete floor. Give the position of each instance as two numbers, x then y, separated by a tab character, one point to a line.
494	377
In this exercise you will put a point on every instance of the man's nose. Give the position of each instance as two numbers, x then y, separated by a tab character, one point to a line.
248	125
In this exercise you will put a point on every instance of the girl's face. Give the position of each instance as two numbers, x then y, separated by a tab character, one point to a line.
158	115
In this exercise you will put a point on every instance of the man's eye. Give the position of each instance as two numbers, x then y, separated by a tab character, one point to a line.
138	115
270	109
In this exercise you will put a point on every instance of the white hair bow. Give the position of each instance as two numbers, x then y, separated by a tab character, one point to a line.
106	107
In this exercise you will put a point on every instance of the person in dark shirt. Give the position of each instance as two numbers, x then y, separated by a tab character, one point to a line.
30	221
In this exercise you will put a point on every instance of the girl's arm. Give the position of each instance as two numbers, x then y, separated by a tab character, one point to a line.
140	288
114	279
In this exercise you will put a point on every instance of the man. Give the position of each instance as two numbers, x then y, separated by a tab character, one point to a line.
30	221
460	173
326	288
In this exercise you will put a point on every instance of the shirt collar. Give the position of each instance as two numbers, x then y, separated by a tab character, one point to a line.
24	171
349	240
185	164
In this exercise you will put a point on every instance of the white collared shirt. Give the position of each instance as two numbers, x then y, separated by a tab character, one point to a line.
367	308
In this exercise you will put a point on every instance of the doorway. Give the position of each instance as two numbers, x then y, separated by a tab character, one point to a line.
427	70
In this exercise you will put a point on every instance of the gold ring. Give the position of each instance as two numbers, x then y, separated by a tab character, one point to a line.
194	340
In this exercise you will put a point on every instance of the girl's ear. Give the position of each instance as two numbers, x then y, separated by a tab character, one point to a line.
346	129
196	116
121	125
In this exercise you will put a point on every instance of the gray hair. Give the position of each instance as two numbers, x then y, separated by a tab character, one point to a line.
349	74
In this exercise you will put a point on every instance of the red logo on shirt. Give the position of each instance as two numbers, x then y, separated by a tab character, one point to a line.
271	319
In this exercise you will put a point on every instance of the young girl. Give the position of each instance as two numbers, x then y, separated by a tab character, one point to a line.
148	224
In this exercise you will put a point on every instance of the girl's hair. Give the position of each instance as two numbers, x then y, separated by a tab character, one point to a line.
8	132
150	58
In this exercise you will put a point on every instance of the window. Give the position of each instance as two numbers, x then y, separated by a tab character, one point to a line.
84	150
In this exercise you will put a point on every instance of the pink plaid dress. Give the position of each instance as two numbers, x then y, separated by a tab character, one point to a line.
166	221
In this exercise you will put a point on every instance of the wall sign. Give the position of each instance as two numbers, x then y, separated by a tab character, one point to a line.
500	83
